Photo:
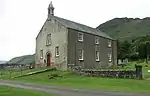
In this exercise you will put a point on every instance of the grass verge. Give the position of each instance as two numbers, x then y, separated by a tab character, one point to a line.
72	80
10	91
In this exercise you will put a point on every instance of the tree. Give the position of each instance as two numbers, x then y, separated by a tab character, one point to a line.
139	48
143	46
124	49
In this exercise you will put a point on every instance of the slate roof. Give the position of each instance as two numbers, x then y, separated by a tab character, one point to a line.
81	27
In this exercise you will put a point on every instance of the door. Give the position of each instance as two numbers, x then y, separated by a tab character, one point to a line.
48	60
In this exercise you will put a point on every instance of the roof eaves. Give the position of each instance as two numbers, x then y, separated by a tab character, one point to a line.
91	33
41	29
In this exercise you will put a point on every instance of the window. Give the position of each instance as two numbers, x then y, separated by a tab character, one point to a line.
48	41
41	54
109	43
109	57
49	19
80	37
57	51
97	56
80	54
96	40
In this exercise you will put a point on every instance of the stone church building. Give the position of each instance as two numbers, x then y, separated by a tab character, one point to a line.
62	43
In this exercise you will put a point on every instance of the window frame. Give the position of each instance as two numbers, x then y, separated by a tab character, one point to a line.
41	54
80	34
48	39
57	51
109	43
109	57
82	54
97	55
96	40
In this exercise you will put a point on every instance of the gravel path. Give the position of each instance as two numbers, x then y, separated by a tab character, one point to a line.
66	91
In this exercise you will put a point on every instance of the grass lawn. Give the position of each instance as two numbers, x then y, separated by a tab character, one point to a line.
6	74
72	80
10	91
131	65
146	74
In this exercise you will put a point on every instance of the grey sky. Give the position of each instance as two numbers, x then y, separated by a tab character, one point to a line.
21	20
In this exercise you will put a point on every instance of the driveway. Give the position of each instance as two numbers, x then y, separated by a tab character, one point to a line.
67	91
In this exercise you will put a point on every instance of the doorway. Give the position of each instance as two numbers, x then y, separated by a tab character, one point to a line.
48	59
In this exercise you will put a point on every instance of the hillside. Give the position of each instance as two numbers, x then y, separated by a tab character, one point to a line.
3	62
126	28
26	59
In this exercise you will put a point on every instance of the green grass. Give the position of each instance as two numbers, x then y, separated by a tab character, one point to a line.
7	74
10	91
72	80
146	74
131	65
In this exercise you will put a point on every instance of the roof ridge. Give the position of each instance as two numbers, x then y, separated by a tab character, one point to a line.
82	27
75	22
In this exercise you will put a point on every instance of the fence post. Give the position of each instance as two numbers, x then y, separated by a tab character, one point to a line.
1	72
1	68
10	73
21	69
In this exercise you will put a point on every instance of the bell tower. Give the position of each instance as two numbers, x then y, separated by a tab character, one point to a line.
50	9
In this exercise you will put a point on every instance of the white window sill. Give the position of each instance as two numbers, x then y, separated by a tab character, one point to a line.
109	46
97	60
41	57
80	59
48	44
80	40
57	56
110	60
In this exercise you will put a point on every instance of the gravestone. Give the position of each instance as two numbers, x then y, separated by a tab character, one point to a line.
139	75
119	62
126	61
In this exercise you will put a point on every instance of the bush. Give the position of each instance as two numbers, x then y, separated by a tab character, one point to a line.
52	76
146	65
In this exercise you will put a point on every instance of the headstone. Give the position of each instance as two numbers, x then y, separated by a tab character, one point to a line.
119	61
139	72
126	61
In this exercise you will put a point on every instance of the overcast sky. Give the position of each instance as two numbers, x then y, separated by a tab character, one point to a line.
21	20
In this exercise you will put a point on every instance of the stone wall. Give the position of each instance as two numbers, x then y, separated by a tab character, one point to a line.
130	74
